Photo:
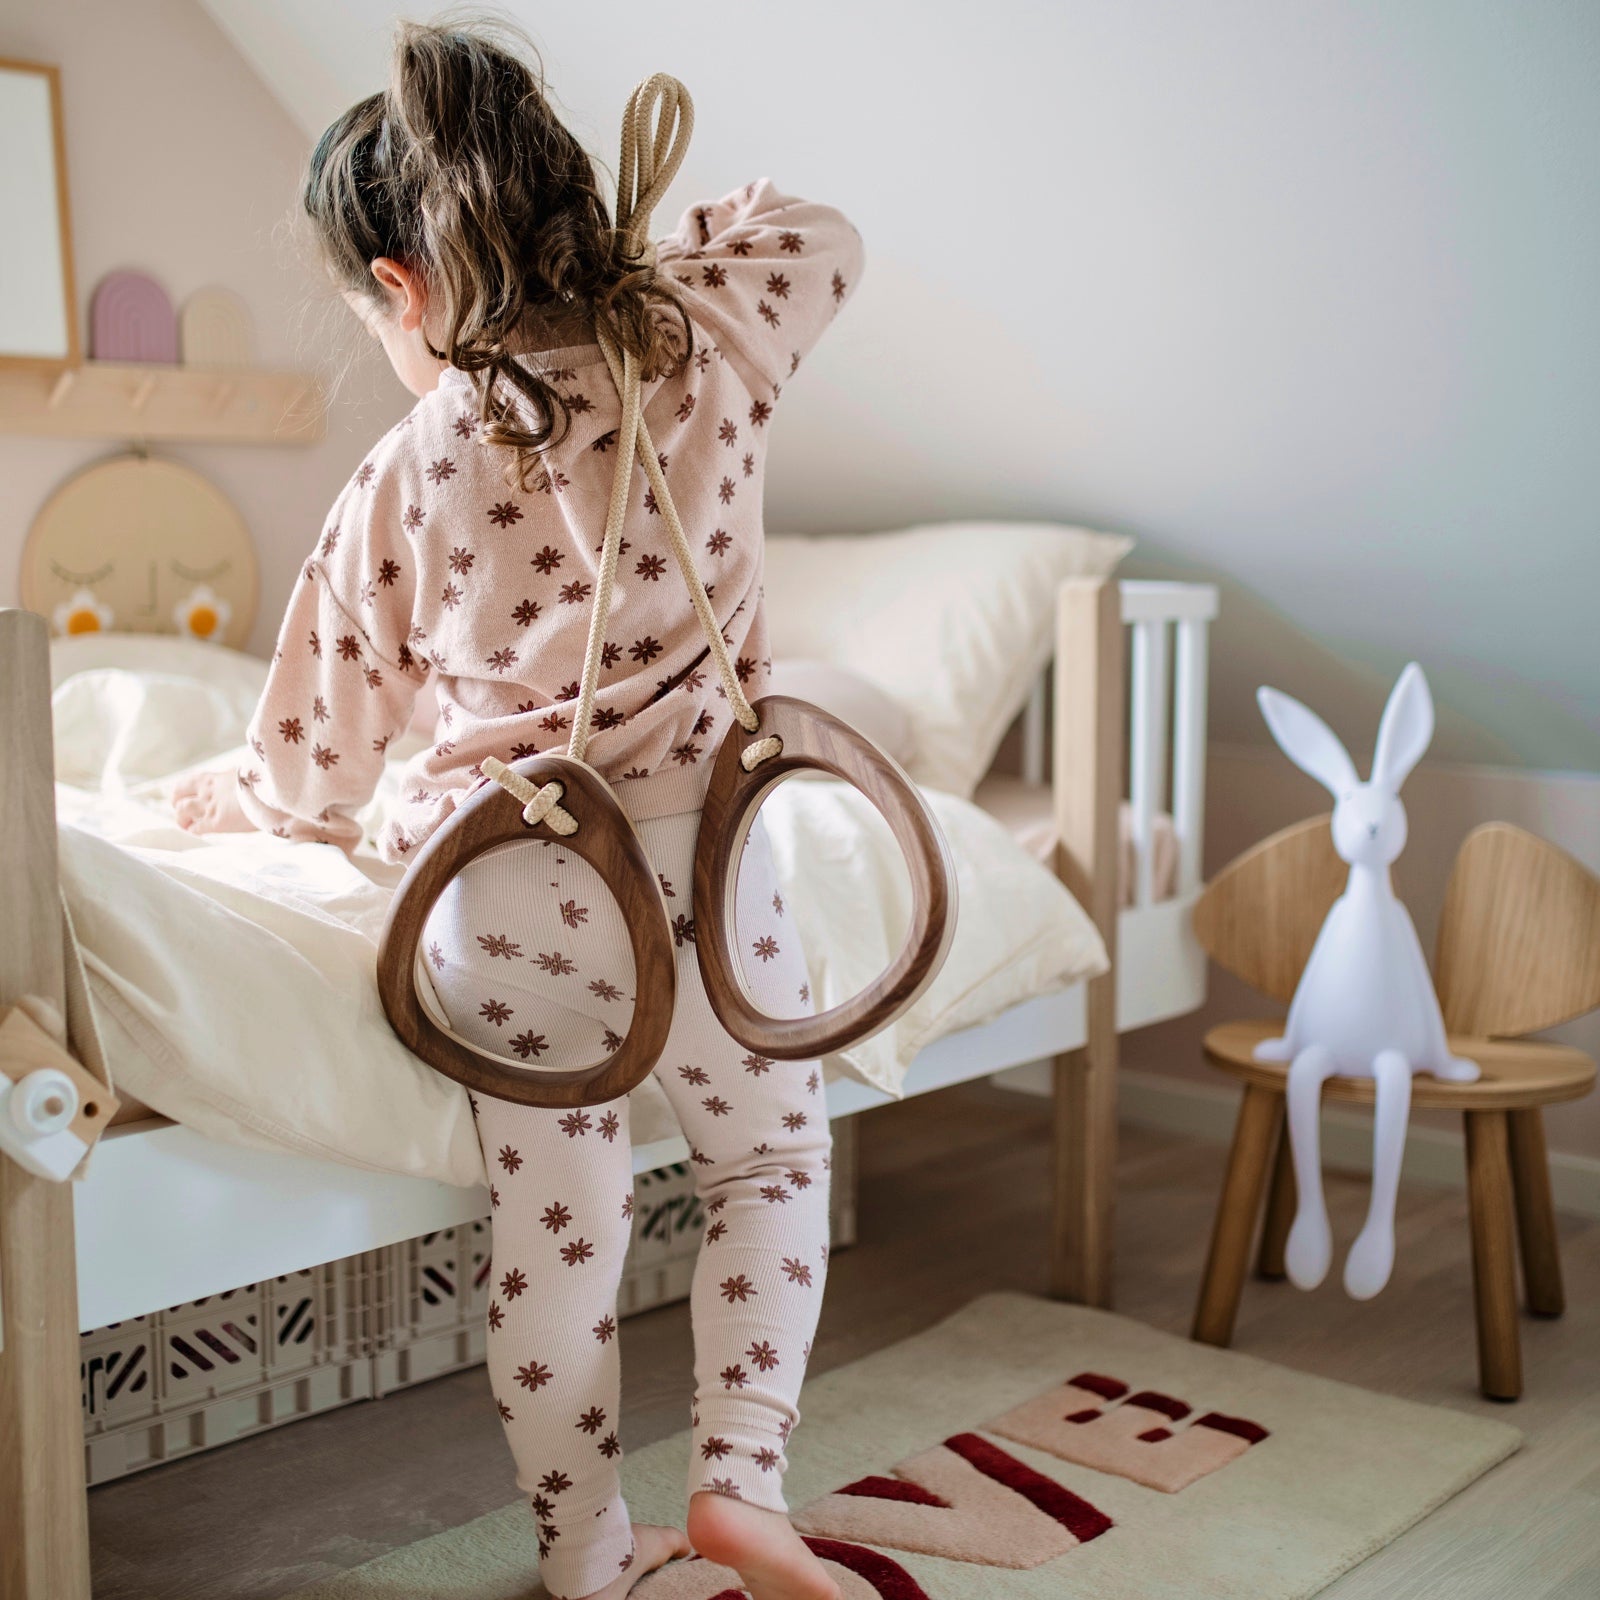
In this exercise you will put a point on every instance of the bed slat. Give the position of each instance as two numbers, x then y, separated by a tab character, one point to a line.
1189	751
1035	732
1147	754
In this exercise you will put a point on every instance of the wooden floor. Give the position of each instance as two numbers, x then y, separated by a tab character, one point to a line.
952	1205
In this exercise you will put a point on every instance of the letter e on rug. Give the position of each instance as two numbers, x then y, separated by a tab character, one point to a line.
1093	1421
965	1500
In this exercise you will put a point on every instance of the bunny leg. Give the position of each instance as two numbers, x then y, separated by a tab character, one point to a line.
1457	1069
1371	1258
1309	1249
1273	1050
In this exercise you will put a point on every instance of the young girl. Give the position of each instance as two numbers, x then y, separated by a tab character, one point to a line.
464	224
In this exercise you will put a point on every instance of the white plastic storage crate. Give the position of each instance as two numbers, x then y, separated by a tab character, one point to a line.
165	1385
159	1387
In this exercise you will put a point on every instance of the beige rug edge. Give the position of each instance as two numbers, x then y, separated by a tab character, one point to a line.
973	1377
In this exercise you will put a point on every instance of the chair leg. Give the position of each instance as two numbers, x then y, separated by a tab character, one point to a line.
1260	1124
1280	1214
1493	1254
1536	1218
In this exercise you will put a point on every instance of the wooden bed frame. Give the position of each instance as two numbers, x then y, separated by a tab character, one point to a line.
167	1216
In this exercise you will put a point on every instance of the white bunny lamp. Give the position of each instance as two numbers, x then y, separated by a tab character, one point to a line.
1365	1005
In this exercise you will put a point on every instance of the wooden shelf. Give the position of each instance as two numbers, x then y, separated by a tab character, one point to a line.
117	400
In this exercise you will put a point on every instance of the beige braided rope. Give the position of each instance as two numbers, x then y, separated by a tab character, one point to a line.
538	805
754	753
655	137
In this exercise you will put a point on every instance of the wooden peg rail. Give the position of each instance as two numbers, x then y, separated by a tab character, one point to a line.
123	400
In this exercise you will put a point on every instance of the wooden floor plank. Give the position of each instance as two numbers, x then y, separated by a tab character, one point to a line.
954	1203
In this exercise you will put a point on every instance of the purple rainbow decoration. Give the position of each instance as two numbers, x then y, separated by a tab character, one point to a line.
131	319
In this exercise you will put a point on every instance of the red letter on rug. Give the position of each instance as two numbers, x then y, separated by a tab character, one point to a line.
1088	1421
860	1574
965	1500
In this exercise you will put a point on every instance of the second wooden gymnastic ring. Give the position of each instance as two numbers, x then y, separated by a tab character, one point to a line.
606	839
814	740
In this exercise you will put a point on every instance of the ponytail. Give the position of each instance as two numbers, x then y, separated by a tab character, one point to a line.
462	171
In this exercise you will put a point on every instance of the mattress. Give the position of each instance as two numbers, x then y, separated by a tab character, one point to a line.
234	977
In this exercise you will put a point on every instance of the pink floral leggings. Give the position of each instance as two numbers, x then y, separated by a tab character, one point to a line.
530	959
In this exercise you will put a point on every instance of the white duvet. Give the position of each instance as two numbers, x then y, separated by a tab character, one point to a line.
234	976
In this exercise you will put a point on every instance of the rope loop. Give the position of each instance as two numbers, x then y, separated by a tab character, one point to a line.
538	805
650	157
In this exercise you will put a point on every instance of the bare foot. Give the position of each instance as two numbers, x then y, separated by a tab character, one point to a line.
760	1546
652	1547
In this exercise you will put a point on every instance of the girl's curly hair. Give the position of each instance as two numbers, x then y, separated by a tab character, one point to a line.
461	170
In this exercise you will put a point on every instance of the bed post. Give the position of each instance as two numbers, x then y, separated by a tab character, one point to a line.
44	1521
1086	777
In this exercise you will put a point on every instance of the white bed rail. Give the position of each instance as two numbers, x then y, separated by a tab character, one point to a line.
1167	624
1167	627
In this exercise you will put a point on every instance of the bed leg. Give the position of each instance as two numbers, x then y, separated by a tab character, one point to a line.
1084	1159
44	1513
1086	779
44	1516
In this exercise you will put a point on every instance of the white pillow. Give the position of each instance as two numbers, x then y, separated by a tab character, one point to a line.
852	699
955	621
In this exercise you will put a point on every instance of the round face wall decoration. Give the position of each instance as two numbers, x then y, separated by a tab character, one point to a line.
143	546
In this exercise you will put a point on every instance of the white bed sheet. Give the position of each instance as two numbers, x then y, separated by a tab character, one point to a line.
234	977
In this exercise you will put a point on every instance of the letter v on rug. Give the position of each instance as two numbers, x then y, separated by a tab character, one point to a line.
964	1500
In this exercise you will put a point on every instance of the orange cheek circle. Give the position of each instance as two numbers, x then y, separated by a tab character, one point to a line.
83	622
202	620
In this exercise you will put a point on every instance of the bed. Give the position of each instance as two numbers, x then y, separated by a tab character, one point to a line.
170	1211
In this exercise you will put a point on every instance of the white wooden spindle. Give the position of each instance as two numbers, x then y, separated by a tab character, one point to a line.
1033	732
1160	711
1147	748
1189	751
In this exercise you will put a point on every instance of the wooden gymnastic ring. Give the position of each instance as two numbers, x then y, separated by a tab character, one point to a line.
814	740
606	839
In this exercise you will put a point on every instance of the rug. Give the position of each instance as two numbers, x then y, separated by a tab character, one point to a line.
1028	1450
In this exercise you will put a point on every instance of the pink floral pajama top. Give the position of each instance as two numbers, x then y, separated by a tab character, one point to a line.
432	566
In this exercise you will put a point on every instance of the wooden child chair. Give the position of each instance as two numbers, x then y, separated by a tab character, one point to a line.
1519	951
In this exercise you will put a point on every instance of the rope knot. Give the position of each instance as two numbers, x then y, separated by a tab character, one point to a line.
640	253
538	804
761	750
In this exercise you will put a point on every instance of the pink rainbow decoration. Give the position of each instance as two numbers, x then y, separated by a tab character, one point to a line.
131	319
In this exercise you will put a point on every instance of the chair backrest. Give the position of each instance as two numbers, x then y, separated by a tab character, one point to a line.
1519	939
1260	915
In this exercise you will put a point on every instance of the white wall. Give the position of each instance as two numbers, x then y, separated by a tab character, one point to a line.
183	165
1303	295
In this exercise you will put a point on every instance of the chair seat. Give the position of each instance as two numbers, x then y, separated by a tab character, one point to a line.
1518	1074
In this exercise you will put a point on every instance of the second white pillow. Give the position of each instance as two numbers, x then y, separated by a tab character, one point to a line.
954	621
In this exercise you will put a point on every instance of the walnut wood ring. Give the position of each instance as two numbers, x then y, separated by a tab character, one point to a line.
606	839
815	740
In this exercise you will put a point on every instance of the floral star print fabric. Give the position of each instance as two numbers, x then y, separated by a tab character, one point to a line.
433	566
529	957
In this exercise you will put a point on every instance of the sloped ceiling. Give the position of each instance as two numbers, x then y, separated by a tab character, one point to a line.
1303	296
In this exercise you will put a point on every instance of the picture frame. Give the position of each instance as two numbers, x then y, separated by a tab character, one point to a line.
39	324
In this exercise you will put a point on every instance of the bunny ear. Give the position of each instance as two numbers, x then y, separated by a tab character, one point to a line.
1308	741
1404	733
